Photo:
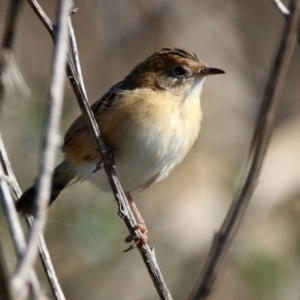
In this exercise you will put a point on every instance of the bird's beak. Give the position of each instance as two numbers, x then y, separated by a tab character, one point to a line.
206	71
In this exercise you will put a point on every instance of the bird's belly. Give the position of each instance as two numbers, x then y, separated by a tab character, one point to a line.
140	160
147	148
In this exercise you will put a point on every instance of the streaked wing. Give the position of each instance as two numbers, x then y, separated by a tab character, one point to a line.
79	125
107	100
78	143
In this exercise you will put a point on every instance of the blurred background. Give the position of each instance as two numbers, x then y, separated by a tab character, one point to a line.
84	234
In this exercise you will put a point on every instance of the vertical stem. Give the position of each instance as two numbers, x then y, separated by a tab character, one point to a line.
50	139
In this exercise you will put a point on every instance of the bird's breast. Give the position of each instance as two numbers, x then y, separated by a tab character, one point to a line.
150	134
155	137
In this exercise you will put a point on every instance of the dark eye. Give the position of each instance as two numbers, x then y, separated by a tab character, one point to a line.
179	71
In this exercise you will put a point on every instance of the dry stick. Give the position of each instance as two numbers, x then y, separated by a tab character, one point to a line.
50	140
224	237
11	215
48	266
8	67
5	291
75	56
124	211
16	233
17	237
6	54
283	9
8	35
10	23
286	13
43	251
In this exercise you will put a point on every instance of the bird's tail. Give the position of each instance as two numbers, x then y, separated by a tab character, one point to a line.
62	176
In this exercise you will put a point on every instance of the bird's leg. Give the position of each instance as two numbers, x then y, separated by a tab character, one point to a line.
110	159
141	226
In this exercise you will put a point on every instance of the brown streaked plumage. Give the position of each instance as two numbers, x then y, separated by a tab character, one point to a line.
150	120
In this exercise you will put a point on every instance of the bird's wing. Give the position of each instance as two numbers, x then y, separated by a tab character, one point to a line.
106	101
78	142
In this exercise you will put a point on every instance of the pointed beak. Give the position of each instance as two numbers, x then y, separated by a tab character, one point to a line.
206	71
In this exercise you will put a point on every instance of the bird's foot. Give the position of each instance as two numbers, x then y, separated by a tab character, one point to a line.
109	160
137	239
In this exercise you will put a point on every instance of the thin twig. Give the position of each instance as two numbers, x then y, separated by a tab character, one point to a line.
10	75
9	72
48	267
12	216
50	140
43	251
75	56
286	13
283	9
17	237
10	23
124	211
16	234
262	135
5	290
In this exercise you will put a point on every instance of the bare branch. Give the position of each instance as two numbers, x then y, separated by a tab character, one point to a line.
5	291
261	138
43	252
10	23
286	13
124	211
48	267
283	9
15	230
50	140
74	49
9	72
10	212
10	75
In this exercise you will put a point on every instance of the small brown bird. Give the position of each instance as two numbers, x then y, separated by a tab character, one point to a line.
150	120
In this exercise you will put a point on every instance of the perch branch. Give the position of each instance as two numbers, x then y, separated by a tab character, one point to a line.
261	138
50	140
124	211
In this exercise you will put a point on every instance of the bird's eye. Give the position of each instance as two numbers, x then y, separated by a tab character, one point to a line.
179	71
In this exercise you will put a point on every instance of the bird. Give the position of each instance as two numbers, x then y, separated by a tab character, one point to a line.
149	121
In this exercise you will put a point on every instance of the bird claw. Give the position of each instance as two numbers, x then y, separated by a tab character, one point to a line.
99	166
109	160
137	240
